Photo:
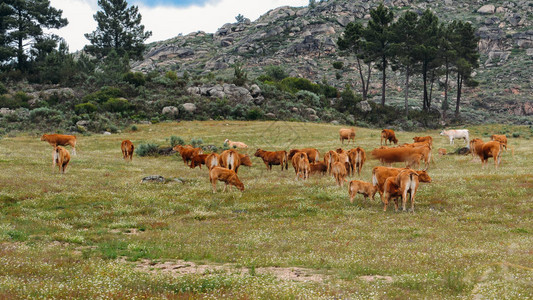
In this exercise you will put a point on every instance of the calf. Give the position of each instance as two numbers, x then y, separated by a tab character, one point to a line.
329	158
229	177
453	134
476	146
406	181
303	166
318	167
357	159
273	158
312	154
338	170
212	160
198	160
60	140
491	149
424	139
233	145
187	152
500	138
61	158
347	134
361	187
127	149
441	151
388	135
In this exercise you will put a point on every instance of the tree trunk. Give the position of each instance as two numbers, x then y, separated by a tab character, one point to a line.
445	102
21	61
425	80
365	87
432	81
406	92
459	86
384	79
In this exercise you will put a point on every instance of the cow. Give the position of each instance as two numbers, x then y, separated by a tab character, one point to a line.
441	151
360	187
127	149
229	177
500	138
424	139
60	140
198	160
295	161
61	158
312	154
357	157
491	149
233	145
410	155
329	158
424	149
476	146
318	167
347	134
380	174
303	165
338	170
453	134
388	135
232	160
212	160
273	158
187	152
343	157
407	181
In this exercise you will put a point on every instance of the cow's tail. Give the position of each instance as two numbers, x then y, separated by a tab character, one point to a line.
231	161
374	179
286	157
317	155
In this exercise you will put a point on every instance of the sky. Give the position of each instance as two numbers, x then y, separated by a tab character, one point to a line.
165	18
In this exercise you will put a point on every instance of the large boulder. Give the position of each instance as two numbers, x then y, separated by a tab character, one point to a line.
170	110
190	107
487	9
255	90
364	106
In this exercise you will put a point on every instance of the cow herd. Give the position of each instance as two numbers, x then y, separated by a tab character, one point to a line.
393	184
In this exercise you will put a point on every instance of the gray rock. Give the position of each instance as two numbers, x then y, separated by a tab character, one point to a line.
153	178
314	118
170	110
364	106
106	133
487	9
190	107
259	100
270	115
83	123
255	90
529	52
4	111
295	109
335	122
310	111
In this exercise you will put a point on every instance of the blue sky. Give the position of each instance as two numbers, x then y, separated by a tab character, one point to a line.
166	18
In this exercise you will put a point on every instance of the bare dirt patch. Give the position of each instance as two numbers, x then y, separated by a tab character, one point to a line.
181	267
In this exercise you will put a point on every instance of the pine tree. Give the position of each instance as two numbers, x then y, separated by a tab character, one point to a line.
405	39
21	26
352	41
119	28
378	41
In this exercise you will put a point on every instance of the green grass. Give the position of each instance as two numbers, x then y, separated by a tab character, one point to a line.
82	234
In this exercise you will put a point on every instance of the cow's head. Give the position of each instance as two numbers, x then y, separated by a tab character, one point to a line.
423	176
43	137
443	132
258	152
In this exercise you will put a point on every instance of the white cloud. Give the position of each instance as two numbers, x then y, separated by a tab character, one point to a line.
165	21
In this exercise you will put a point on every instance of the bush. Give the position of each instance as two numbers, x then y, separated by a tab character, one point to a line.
293	85
196	142
45	115
338	65
276	73
254	114
171	75
147	149
104	95
117	105
134	128
85	108
3	89
176	140
136	78
308	98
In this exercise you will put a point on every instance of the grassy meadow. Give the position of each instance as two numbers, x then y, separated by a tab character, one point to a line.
97	232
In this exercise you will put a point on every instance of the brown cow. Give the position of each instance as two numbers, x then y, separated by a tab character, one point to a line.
388	135
273	158
338	170
198	160
312	154
127	149
303	165
187	152
406	181
61	158
424	139
60	140
357	158
401	154
295	161
232	160
500	138
318	167
476	146
347	134
442	151
491	149
329	158
424	149
228	176
361	187
380	174
212	160
343	157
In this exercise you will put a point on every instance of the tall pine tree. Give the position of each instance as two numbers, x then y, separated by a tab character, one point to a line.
21	26
119	29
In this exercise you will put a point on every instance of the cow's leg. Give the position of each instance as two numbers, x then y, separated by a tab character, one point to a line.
214	184
404	198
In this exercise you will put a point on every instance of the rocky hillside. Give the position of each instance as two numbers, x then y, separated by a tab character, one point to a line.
303	41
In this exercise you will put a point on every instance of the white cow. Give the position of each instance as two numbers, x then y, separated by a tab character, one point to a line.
456	134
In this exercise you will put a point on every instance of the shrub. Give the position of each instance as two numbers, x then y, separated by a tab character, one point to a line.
85	108
254	114
176	140
171	75
338	65
136	78
147	149
134	128
46	115
293	85
3	89
103	95
117	105
308	98
276	73
196	142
